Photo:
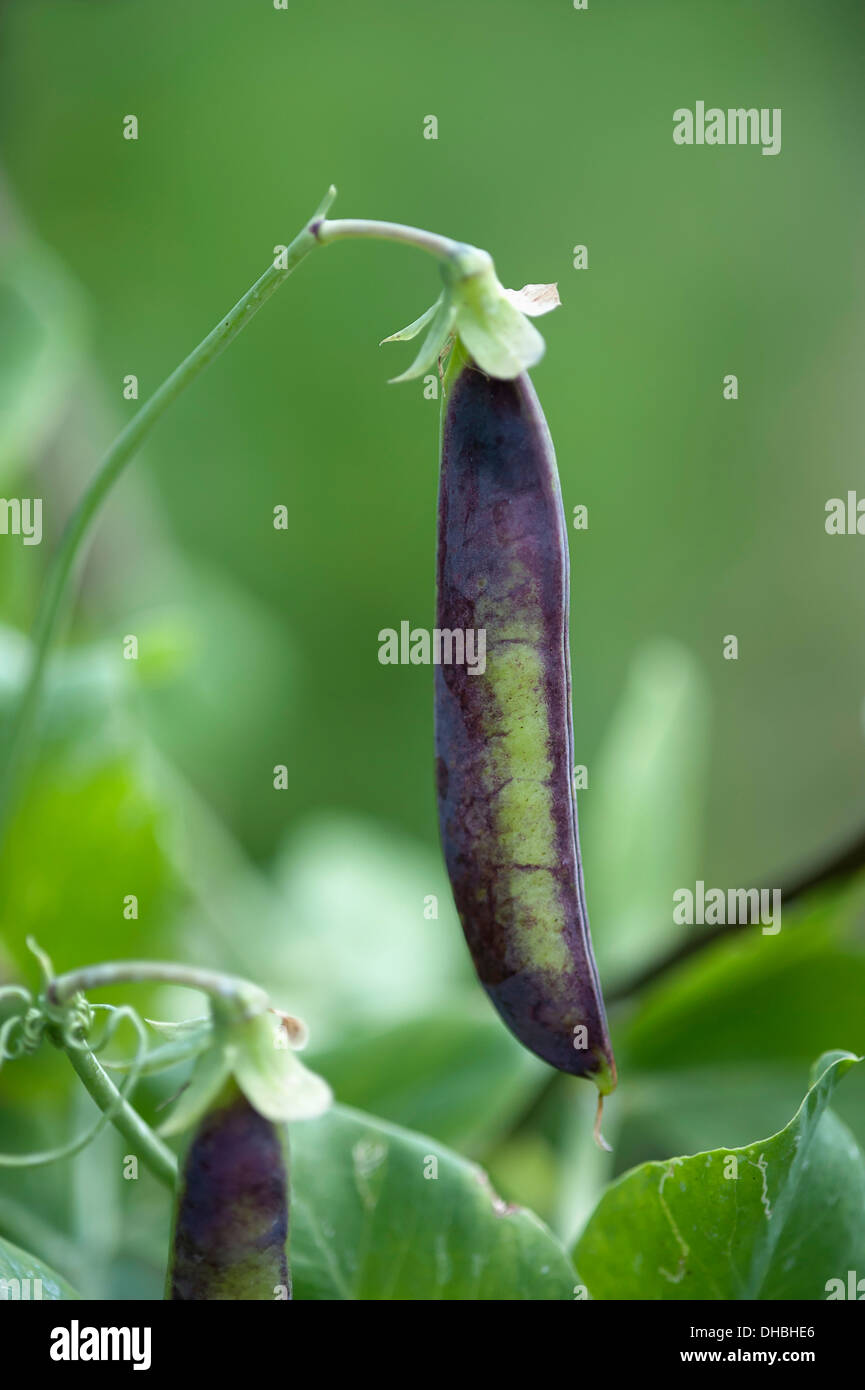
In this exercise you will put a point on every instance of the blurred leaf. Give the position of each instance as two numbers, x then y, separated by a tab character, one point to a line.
459	1077
789	1215
704	1107
757	998
41	329
369	1222
85	693
95	1182
84	839
643	809
355	945
16	1264
24	1223
583	1167
219	673
397	1022
525	1169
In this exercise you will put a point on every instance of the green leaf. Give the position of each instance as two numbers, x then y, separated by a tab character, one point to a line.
792	1217
17	1265
642	814
368	1222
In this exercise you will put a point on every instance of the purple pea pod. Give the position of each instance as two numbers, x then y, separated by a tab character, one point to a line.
231	1219
504	734
231	1215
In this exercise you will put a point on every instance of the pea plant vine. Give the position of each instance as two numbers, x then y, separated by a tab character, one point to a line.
504	747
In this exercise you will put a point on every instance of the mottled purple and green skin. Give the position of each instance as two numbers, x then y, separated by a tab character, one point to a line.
230	1236
504	739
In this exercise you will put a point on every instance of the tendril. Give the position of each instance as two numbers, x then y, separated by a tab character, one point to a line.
73	1030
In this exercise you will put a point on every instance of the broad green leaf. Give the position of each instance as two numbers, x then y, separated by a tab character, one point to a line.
776	1219
369	1221
642	811
19	1273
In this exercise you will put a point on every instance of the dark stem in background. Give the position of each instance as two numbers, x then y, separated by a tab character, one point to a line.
843	864
839	866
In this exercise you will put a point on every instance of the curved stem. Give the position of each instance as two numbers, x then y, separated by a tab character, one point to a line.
352	228
126	444
318	231
226	988
148	1146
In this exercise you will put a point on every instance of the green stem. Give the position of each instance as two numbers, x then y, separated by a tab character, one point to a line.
225	989
65	563
354	228
67	560
148	1146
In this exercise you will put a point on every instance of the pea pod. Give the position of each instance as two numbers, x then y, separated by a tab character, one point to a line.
231	1216
504	738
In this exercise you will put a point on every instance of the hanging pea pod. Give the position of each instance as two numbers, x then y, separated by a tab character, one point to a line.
504	738
230	1236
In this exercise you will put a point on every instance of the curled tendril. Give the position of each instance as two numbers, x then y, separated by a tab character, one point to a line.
43	959
116	1015
11	1039
124	1011
23	1031
16	992
70	1025
77	1021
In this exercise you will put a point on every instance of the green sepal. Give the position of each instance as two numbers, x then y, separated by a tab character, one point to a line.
271	1075
259	1053
497	336
491	321
404	335
441	321
209	1075
187	1030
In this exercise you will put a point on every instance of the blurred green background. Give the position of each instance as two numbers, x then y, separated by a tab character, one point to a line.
259	647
